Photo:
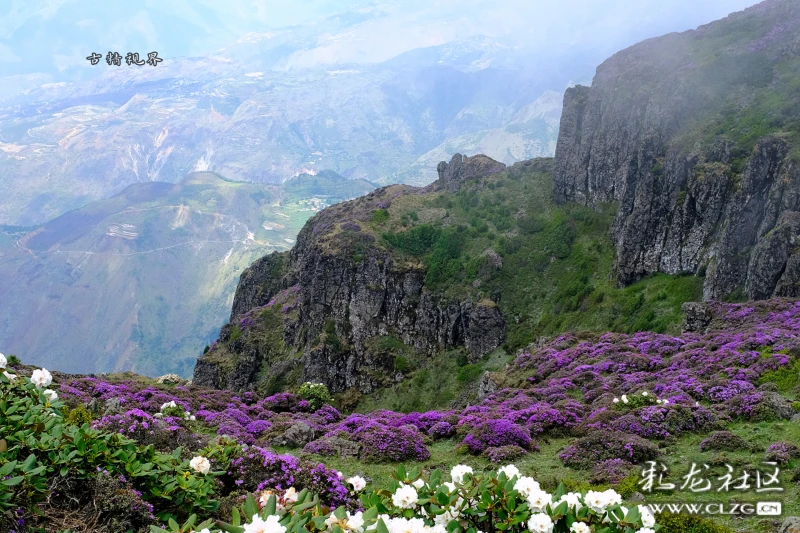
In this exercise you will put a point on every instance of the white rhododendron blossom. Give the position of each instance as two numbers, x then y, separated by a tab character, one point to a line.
200	464
648	520
540	523
538	500
459	471
616	400
644	393
526	486
573	500
9	376
418	483
41	378
624	398
3	361
647	530
405	497
168	404
51	395
579	527
350	522
509	470
358	483
259	525
596	501
612	497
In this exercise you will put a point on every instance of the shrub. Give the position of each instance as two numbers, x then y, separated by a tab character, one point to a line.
724	441
495	433
382	443
504	454
688	523
603	445
611	471
782	452
442	430
79	416
316	394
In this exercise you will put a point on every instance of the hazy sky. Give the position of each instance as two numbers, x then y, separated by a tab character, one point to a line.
55	36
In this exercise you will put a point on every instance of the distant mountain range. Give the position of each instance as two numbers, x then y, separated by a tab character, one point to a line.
143	280
238	113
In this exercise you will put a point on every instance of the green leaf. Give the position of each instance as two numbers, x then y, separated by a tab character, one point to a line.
7	468
12	481
382	527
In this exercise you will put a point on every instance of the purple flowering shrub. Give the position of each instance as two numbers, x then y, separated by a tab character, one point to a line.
504	454
611	471
495	433
603	445
256	469
381	443
782	452
724	441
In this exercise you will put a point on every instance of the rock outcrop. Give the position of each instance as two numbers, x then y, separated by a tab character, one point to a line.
337	291
677	130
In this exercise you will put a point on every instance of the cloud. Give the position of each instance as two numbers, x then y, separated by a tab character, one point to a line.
7	55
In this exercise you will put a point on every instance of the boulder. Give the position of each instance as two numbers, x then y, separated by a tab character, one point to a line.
170	379
791	524
296	436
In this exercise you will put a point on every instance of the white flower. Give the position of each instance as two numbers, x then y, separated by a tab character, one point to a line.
200	464
509	470
168	404
158	415
418	483
697	404
538	500
459	471
540	523
648	520
339	474
647	530
579	527
41	378
9	376
644	393
192	418
405	497
526	486
615	400
51	395
445	518
3	361
204	530
263	499
290	496
624	398
270	525
352	522
658	401
596	501
612	497
665	402
573	500
358	483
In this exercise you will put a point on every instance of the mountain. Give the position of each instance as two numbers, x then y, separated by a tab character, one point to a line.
142	281
441	280
697	137
243	113
675	178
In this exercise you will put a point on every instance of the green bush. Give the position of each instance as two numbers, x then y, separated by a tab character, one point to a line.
78	416
469	373
41	446
316	393
683	523
379	216
786	377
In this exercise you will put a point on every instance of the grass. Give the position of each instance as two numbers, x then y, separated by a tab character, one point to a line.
546	468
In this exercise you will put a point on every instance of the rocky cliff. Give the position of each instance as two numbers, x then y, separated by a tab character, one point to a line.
314	313
695	137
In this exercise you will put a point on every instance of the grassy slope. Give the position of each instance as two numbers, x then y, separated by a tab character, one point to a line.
556	273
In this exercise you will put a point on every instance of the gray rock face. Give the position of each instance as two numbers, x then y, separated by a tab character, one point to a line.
697	316
791	524
712	206
462	168
346	291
